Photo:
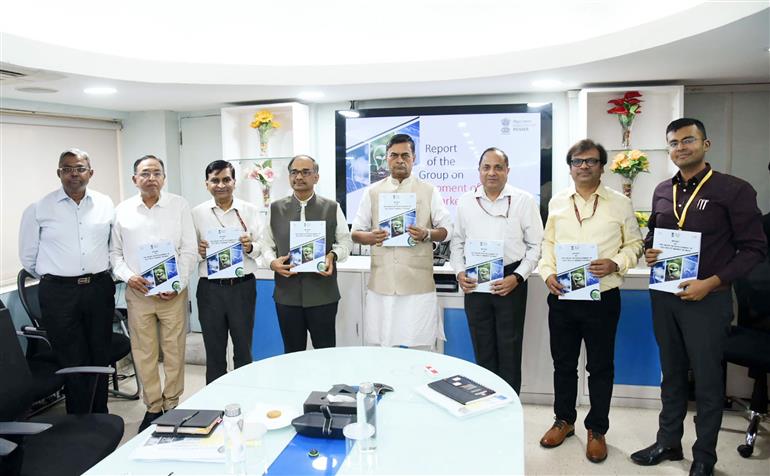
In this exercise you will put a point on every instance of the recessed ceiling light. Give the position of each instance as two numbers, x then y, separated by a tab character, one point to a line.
536	104
100	90
546	83
349	113
310	95
35	90
461	124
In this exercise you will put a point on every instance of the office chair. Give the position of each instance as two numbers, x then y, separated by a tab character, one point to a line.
120	344
61	444
747	346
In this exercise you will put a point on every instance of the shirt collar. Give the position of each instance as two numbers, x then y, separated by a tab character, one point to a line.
601	191
305	202
396	183
62	195
695	180
235	206
479	192
162	201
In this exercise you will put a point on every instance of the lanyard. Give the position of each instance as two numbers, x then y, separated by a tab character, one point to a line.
236	214
680	222
507	211
577	213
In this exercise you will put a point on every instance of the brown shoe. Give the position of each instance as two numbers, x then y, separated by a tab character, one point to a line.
557	434
596	448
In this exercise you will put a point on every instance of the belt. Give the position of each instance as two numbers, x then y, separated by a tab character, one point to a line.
231	281
83	279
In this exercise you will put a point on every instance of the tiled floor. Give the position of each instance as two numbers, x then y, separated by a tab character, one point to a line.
632	429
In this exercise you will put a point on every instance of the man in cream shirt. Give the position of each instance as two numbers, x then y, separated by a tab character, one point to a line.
153	217
401	305
498	211
586	213
226	305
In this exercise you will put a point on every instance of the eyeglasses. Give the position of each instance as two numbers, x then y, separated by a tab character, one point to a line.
686	141
304	172
579	162
69	170
224	181
146	175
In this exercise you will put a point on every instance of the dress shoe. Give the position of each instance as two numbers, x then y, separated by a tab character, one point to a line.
596	448
656	453
149	417
556	435
700	468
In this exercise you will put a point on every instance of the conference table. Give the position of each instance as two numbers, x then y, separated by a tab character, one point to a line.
415	436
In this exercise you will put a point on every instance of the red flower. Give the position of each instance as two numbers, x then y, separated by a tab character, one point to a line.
632	94
617	102
617	110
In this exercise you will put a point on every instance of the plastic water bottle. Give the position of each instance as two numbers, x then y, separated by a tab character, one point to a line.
366	412
235	447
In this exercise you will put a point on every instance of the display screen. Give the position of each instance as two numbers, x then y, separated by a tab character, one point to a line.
448	144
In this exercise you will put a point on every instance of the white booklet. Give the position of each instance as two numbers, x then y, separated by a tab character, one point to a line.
459	410
397	212
180	448
224	256
307	246
572	262
678	260
484	262
158	264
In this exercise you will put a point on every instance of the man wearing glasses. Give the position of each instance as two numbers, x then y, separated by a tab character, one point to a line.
401	303
498	211
587	213
305	302
64	240
153	217
226	306
691	326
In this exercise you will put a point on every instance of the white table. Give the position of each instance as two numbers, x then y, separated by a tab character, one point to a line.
414	436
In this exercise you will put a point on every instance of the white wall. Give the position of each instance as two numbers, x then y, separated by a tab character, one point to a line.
151	133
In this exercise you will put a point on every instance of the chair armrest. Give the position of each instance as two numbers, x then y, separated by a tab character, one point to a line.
34	331
86	370
34	336
22	428
6	447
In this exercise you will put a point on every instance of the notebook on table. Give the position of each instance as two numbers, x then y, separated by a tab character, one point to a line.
187	422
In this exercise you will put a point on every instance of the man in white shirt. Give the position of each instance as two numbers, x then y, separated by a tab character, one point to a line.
226	305
498	211
305	302
154	217
64	240
401	303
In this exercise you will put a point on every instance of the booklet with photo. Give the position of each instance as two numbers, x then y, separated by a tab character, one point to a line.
224	256
484	262
678	260
572	262
158	264
397	212
307	246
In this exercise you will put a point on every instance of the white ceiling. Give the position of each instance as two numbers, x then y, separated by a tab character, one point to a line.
159	58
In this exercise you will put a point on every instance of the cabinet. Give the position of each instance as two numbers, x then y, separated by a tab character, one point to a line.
662	104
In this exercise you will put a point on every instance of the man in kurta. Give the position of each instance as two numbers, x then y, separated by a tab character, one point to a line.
401	303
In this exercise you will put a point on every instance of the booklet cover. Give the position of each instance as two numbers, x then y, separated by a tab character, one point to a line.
397	212
484	262
158	262
572	262
224	256
678	260
307	246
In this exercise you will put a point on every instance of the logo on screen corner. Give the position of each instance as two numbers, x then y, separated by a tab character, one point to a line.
506	126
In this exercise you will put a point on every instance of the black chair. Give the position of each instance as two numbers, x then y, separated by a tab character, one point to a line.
120	344
61	444
747	346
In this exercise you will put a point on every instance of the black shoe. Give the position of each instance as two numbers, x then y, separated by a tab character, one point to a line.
147	420
654	454
699	468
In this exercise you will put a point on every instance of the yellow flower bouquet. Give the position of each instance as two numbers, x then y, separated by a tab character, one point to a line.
264	123
629	163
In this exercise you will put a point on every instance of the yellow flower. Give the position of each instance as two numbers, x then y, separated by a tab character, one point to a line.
636	154
624	163
276	124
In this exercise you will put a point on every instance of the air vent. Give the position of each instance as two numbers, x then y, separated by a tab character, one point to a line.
6	74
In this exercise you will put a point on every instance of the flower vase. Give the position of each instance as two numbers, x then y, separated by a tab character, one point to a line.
262	148
266	195
264	138
628	186
626	139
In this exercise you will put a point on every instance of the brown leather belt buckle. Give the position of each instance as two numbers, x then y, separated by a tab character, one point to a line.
84	280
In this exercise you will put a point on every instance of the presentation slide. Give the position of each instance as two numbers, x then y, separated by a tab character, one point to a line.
447	151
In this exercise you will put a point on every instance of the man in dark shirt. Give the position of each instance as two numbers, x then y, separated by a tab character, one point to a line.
691	326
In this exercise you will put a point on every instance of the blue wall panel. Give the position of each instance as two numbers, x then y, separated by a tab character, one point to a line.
267	334
637	361
458	336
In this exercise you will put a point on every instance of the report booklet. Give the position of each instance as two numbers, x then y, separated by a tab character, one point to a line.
397	212
484	262
462	397
224	256
678	260
572	262
158	264
307	246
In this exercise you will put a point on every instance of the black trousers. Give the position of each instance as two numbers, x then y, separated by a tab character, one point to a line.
497	326
78	319
224	309
692	335
595	323
297	321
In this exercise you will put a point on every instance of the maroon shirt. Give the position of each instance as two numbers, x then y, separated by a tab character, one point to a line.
725	212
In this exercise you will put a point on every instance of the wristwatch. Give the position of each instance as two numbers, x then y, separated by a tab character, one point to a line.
427	236
519	278
335	255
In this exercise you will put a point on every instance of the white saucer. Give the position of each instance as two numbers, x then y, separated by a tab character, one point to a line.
259	414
